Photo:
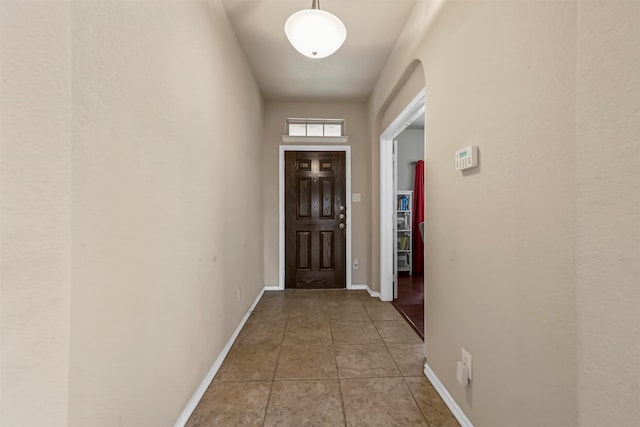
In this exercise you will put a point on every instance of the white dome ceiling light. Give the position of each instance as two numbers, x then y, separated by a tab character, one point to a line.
314	32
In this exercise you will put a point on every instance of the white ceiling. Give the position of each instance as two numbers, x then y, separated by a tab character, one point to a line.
283	74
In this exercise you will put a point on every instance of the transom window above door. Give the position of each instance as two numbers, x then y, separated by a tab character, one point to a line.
314	127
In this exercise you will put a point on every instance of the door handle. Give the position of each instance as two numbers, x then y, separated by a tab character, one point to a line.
341	225
341	216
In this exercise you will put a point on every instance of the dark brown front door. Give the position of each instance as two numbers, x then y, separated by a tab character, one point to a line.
314	229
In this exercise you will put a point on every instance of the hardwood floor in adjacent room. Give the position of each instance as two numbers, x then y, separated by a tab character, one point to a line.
410	301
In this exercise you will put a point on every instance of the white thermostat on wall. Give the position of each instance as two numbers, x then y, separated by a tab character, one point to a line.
467	158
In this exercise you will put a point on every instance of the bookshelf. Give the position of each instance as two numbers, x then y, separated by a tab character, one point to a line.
404	205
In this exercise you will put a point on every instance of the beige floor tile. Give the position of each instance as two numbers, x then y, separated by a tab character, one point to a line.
316	314
257	331
272	301
355	333
360	293
344	302
301	333
308	292
382	311
273	307
306	362
364	360
379	402
397	332
408	357
365	297
249	362
277	295
308	297
348	312
232	404
342	296
269	316
309	304
305	403
432	406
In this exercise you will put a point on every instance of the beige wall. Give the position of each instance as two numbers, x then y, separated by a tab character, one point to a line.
408	89
35	247
153	111
608	213
532	259
167	222
356	128
500	240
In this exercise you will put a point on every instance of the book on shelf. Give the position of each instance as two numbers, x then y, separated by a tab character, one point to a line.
403	203
403	243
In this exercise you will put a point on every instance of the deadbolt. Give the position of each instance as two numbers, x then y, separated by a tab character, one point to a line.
341	216
341	225
341	208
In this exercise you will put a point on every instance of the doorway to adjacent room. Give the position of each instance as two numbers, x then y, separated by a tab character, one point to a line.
402	206
409	251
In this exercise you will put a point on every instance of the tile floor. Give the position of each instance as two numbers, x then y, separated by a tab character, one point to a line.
323	358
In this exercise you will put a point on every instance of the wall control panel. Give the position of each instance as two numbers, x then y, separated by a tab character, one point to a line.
467	158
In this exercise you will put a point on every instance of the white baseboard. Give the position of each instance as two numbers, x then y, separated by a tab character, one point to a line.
195	399
448	399
365	287
374	294
272	288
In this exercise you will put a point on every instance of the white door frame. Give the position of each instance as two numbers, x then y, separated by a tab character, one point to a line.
347	151
387	192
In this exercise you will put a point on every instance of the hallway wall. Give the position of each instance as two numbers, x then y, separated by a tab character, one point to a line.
132	210
534	257
35	242
500	239
356	128
608	213
167	206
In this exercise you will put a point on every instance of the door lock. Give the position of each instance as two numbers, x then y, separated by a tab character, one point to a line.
341	225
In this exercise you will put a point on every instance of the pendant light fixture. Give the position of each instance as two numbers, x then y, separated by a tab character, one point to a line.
315	33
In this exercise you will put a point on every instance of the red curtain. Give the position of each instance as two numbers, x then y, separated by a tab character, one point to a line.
418	217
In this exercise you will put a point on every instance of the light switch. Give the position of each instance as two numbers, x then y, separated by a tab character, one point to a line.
356	197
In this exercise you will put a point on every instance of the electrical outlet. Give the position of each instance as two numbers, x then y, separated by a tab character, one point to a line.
466	361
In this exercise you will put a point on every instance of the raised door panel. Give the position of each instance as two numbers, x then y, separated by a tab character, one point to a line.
327	251
303	189
303	250
327	192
